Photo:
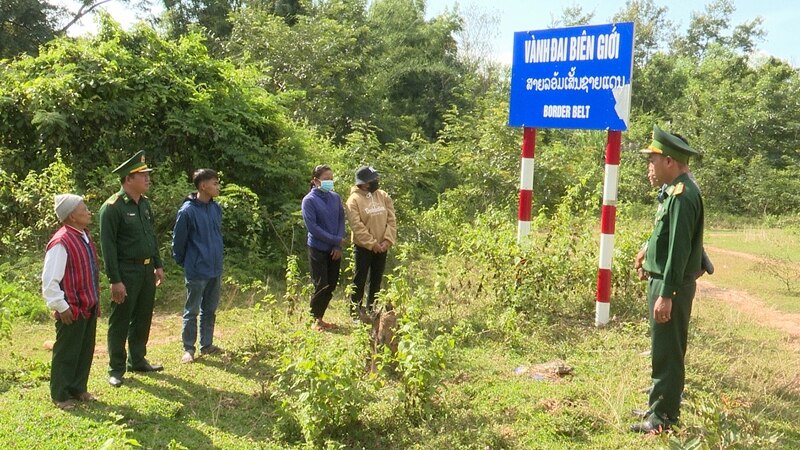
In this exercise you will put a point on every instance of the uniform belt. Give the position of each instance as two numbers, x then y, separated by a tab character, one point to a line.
144	261
686	279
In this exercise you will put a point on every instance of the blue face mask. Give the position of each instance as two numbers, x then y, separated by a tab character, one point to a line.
326	185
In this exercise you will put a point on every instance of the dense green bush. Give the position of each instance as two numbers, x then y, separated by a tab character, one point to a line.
320	384
27	206
97	100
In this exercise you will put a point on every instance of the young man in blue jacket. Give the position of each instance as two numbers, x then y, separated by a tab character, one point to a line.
197	247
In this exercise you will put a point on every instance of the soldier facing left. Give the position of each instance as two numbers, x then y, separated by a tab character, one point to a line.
134	269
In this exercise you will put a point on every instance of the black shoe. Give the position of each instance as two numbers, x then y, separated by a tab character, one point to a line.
147	367
115	381
648	427
211	350
640	413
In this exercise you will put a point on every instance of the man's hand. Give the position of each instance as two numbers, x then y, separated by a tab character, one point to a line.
662	310
336	254
376	248
385	245
159	276
65	317
639	259
118	292
637	263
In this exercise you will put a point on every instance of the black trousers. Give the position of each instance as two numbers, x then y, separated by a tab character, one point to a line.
325	276
368	264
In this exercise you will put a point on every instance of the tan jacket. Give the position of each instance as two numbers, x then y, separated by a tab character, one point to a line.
371	217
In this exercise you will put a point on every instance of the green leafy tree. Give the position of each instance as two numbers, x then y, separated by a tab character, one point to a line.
318	63
416	72
100	99
25	25
711	27
180	17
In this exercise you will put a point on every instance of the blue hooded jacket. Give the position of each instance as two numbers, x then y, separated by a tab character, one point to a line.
197	238
323	214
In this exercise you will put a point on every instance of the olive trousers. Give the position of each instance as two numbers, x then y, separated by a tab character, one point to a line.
668	351
130	320
73	353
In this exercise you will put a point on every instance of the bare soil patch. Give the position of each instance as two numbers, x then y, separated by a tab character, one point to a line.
753	307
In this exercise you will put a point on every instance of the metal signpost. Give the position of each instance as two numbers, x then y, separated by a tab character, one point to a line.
577	78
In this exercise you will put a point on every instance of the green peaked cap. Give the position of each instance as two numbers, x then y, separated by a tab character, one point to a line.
668	144
134	165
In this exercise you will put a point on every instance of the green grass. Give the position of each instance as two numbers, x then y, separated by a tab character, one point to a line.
756	241
750	274
742	386
220	402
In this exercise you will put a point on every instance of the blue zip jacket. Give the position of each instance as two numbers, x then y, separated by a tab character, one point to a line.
197	238
323	214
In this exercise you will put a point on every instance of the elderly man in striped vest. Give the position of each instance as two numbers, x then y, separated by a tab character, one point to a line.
70	285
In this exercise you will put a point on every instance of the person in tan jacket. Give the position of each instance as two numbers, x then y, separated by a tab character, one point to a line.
370	212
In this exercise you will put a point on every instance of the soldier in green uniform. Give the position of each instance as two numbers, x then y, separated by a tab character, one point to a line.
673	260
134	268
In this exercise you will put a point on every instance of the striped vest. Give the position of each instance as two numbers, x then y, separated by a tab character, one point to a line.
80	284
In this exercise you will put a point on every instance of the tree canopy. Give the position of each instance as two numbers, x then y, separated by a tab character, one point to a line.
264	90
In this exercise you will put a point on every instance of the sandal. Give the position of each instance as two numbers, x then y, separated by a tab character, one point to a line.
86	397
66	405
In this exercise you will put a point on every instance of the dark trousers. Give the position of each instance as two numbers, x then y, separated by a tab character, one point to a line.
73	352
130	320
325	276
368	264
669	350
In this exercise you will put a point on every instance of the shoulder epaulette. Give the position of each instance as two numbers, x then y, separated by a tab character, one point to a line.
679	188
113	199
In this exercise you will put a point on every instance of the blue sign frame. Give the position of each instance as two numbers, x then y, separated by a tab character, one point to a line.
576	77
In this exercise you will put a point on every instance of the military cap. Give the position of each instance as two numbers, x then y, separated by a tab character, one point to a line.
134	165
668	144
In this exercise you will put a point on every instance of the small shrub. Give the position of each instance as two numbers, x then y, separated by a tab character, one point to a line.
420	363
20	297
319	384
782	269
297	290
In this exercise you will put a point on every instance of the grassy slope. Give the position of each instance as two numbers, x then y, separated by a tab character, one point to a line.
734	368
750	275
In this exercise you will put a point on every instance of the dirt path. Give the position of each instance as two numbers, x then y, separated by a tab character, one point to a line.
747	256
752	307
742	255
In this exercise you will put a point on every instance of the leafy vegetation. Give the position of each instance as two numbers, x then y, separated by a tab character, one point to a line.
264	91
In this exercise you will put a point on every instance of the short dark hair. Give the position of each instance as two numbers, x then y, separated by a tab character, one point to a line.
320	169
203	175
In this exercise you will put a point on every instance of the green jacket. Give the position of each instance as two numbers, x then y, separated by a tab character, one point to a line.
675	249
127	232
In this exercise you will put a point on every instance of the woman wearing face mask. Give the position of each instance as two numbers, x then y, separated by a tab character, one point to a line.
323	215
370	212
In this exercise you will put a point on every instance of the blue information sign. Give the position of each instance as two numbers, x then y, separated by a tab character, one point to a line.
576	77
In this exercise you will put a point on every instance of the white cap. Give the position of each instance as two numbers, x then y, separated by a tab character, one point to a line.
65	204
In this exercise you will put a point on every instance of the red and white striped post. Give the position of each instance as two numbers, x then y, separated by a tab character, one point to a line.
607	224
526	183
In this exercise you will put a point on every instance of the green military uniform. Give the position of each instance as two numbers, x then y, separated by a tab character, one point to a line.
673	260
130	255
